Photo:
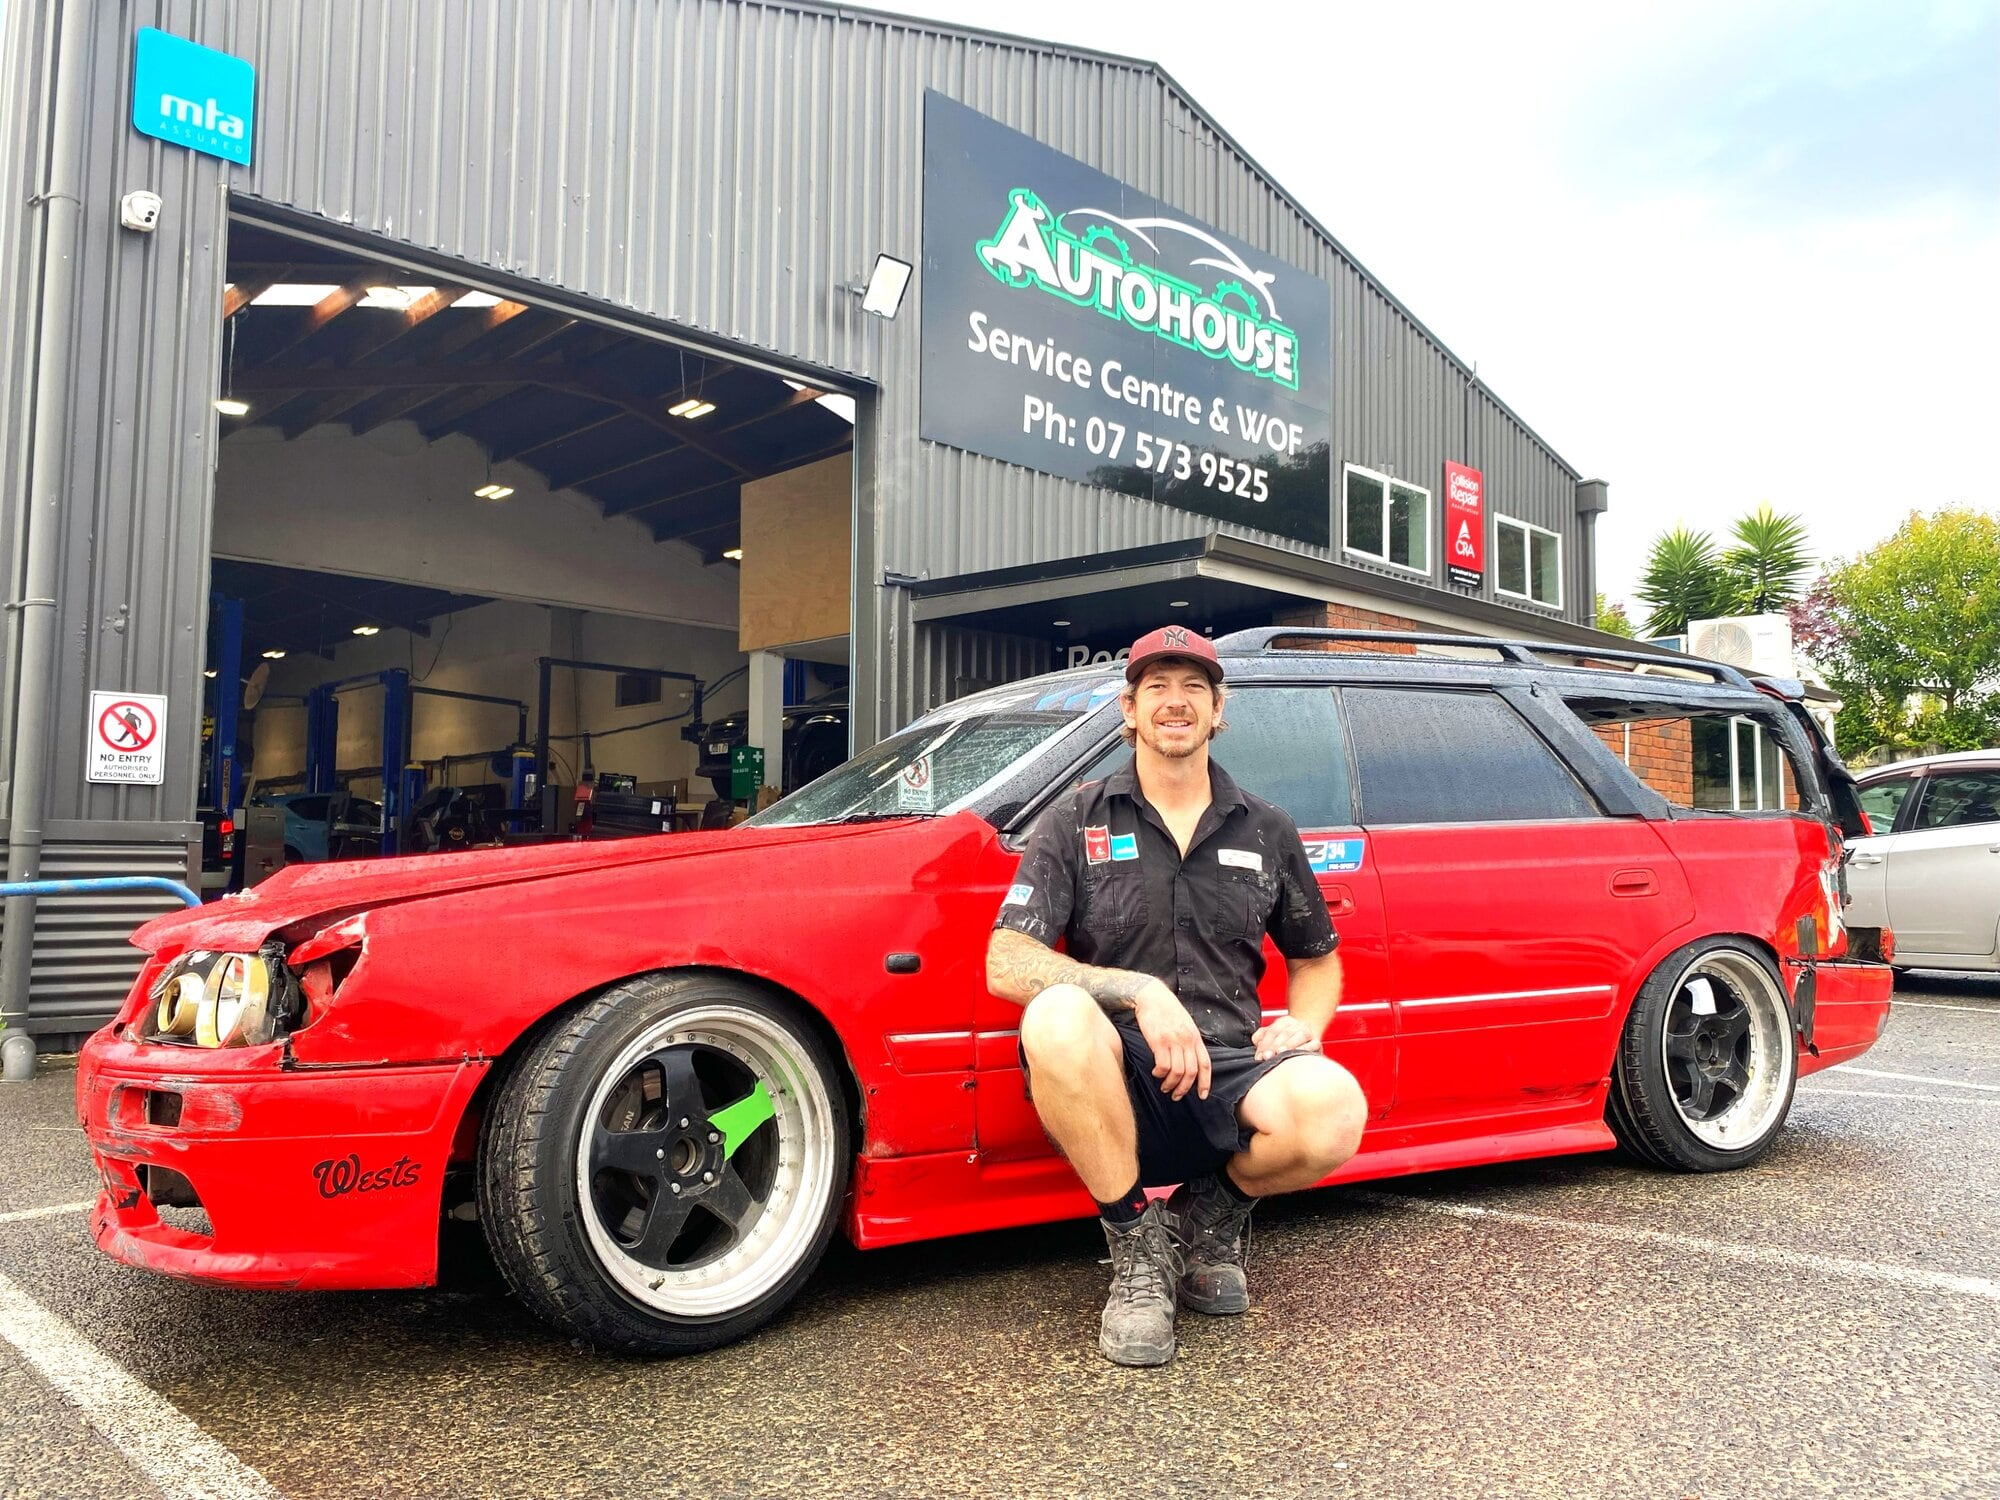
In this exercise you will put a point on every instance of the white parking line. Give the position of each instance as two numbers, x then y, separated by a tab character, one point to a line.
177	1456
49	1212
1819	1093
1797	1260
1947	1083
1977	1010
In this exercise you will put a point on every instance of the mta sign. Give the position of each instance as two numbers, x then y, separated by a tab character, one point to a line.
193	96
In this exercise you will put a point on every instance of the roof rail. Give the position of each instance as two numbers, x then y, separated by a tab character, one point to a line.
1512	653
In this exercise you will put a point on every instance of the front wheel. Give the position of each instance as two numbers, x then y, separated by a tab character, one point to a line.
663	1169
1707	1062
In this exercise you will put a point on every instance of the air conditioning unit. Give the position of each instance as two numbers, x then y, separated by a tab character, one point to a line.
1751	643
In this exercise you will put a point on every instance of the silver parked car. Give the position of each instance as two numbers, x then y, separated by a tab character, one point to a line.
1931	869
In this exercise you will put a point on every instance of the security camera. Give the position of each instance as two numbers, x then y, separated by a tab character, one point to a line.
140	211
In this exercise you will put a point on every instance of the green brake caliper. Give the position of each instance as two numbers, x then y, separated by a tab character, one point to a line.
739	1121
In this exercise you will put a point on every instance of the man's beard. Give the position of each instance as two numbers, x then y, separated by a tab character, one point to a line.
1152	742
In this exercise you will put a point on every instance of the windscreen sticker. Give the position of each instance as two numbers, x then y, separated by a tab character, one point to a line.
1097	844
914	792
1019	895
1333	856
1124	846
1240	859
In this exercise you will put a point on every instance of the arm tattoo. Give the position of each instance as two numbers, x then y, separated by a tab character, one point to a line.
1018	968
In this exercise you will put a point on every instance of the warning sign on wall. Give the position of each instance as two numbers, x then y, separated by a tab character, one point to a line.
128	742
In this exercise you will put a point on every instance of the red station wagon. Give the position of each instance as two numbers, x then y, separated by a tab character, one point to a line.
659	1074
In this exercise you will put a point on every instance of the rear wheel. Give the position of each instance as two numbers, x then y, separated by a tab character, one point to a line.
1708	1061
663	1169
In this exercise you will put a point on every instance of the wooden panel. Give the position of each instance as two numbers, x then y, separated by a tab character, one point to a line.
797	547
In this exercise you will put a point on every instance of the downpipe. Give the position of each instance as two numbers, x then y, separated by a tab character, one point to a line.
61	206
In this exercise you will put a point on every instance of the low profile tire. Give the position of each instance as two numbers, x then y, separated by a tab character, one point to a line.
1708	1061
662	1170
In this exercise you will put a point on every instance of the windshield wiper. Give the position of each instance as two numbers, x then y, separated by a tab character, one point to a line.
882	817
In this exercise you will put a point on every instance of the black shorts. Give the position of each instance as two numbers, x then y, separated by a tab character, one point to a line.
1180	1140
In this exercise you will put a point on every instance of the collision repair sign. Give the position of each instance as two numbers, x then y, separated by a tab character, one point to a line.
1075	325
193	95
1465	523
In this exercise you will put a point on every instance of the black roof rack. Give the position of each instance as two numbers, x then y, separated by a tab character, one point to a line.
1512	653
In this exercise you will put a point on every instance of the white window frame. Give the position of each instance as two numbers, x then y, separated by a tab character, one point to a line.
1529	531
1382	559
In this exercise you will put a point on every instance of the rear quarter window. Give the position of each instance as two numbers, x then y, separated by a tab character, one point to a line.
1706	762
1432	756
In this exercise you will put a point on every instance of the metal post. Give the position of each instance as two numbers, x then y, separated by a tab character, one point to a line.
395	754
61	204
322	737
225	767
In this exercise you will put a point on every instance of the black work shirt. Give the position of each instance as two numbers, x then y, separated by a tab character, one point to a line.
1102	871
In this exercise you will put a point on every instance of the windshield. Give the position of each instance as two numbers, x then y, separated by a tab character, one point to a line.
942	762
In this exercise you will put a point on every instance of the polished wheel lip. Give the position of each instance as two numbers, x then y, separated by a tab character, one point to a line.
1749	1118
784	1233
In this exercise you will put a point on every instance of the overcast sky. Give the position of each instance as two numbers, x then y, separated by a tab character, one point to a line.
1715	251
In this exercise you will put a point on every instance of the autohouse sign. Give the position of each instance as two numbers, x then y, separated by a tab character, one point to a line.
1075	325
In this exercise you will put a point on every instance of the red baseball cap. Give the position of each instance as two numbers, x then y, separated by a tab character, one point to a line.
1173	640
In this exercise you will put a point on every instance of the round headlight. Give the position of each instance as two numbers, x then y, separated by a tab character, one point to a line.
236	1010
181	997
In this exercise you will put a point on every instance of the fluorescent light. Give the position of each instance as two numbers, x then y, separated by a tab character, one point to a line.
209	673
1177	604
274	656
886	285
294	294
477	299
1059	623
368	630
691	408
734	554
494	491
229	406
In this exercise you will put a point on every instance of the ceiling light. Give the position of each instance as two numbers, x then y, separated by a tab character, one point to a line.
368	630
1059	623
494	491
294	294
229	406
1177	604
886	285
691	408
209	673
274	656
734	554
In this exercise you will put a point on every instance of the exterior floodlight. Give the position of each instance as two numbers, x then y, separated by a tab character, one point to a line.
229	406
886	285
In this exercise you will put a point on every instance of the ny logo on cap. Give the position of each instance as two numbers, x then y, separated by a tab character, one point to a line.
1173	635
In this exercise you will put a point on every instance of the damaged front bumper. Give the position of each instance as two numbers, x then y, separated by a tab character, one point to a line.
312	1179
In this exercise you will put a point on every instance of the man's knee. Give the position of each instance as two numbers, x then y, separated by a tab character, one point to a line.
1322	1111
1062	1027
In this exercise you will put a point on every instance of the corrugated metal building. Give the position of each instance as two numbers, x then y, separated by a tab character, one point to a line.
720	175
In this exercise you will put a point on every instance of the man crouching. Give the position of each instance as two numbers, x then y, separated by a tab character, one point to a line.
1145	1049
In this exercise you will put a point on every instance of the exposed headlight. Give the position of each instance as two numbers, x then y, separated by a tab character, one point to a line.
223	999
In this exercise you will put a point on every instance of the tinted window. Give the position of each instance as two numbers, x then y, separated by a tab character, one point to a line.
1881	800
1284	744
1438	757
1960	798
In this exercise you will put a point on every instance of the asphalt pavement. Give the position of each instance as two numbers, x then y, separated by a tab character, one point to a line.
1826	1323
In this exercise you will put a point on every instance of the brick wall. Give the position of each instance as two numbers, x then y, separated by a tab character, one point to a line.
1351	617
1661	754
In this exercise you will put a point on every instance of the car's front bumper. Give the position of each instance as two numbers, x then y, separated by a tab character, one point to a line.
322	1179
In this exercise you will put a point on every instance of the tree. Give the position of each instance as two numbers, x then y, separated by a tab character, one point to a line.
1767	560
1612	619
1684	580
1910	633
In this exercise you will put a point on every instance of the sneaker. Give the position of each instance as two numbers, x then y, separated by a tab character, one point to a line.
1138	1327
1209	1224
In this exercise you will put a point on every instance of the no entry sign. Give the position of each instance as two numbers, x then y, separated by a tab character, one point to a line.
127	739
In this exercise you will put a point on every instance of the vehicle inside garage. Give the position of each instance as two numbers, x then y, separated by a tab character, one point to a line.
488	571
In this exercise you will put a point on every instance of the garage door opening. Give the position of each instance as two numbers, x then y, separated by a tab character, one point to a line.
489	571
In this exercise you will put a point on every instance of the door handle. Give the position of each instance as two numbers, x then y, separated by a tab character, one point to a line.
1339	901
1635	883
1874	859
